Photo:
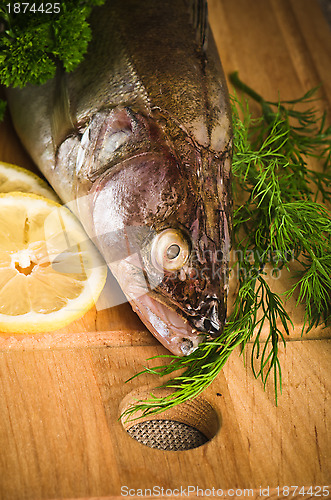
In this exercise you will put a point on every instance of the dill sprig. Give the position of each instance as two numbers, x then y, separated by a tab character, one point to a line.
34	43
281	217
279	221
199	369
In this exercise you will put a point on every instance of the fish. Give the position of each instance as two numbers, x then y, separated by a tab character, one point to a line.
138	138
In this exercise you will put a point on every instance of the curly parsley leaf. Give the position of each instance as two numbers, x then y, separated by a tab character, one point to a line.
33	44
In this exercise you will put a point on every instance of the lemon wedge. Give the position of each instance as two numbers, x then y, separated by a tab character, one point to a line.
50	272
14	178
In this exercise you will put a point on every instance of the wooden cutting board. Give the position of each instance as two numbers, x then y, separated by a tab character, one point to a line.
61	393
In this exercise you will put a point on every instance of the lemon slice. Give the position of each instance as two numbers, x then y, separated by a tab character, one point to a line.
14	178
50	272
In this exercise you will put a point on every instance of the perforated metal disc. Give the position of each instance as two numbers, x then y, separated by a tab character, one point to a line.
167	435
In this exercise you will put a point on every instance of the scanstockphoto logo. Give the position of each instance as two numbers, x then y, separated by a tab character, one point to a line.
196	491
185	491
129	259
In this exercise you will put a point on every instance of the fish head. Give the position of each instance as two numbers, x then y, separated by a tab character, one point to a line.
161	220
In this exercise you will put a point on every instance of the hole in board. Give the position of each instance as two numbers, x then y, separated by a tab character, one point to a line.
184	427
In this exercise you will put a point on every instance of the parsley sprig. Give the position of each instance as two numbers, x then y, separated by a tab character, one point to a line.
33	44
277	222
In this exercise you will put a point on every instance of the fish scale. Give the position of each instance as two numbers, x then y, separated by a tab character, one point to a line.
139	138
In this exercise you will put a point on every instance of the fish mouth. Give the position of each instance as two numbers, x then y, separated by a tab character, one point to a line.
172	330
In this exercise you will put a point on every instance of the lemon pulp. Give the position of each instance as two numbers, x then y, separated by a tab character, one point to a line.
50	272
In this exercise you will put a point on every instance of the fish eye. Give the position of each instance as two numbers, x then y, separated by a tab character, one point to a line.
170	250
173	251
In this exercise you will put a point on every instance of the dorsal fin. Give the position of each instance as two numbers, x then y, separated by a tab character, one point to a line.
199	13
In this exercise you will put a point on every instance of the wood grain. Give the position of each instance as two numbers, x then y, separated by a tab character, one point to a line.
60	433
61	393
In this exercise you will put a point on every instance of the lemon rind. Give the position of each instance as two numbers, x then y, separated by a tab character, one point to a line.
32	179
32	322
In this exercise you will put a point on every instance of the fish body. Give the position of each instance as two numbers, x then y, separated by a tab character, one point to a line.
139	138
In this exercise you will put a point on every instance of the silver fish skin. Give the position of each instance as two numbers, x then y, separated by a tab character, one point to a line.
139	137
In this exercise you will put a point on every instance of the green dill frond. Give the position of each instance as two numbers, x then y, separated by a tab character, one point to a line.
277	220
299	134
281	216
199	369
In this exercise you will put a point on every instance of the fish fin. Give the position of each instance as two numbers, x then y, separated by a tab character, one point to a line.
61	119
199	16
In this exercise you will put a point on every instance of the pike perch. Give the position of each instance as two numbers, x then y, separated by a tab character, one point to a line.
139	136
